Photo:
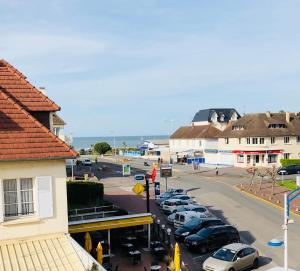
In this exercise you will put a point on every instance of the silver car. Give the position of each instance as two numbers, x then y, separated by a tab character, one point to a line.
232	257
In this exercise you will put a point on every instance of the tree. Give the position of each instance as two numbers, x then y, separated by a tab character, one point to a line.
102	147
272	173
252	171
262	173
298	115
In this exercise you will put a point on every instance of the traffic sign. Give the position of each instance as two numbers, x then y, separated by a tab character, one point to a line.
140	178
166	171
138	189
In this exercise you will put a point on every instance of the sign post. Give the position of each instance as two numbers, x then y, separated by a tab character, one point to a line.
147	192
126	170
157	189
166	172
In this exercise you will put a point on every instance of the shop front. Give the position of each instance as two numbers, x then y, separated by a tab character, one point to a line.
257	158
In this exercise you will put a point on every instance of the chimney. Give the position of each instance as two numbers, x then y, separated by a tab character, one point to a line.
287	117
43	90
268	114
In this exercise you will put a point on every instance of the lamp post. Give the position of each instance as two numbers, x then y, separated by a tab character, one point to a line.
169	237
169	121
163	232
158	222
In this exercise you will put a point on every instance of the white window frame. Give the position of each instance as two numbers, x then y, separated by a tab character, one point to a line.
286	155
248	140
298	139
254	139
261	140
226	140
19	199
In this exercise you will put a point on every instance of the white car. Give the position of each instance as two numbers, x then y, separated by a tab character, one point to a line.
182	218
184	198
171	204
171	218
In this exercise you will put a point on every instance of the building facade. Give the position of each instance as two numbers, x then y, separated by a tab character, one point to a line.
262	139
200	138
33	196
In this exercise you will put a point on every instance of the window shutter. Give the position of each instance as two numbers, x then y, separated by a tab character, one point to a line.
45	196
1	202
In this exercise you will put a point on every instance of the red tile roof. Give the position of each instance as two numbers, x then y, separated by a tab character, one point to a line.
18	88
22	137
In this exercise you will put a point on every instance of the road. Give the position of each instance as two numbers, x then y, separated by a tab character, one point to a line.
257	221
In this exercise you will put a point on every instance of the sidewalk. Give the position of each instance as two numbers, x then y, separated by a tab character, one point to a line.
265	194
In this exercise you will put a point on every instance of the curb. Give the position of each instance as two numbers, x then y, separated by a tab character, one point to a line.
263	200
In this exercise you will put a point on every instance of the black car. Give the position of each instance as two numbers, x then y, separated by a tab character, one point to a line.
194	226
291	169
212	238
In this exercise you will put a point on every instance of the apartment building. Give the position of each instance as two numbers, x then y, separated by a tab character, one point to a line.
262	139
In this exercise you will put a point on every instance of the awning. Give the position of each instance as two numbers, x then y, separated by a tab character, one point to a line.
45	252
258	152
108	223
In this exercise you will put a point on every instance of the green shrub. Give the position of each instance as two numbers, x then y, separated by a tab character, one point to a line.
84	193
287	162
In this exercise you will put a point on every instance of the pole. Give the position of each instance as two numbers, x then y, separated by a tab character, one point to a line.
285	229
108	241
166	184
149	236
147	194
72	165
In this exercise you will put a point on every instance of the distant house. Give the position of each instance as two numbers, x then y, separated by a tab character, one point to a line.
200	138
262	139
33	198
58	126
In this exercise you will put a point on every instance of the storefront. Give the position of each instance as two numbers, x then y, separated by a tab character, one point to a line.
256	157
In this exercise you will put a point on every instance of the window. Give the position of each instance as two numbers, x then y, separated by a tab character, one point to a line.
240	141
254	140
240	158
56	131
248	159
18	197
226	140
298	139
261	140
286	139
277	126
286	156
272	158
273	140
200	143
248	140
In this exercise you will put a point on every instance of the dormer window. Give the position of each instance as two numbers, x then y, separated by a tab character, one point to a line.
277	126
222	117
214	117
237	127
234	116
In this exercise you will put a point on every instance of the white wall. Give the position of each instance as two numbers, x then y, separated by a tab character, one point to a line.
30	226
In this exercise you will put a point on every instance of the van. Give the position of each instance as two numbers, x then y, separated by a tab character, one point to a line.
182	218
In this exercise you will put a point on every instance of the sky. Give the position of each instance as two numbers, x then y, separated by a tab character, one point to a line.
145	67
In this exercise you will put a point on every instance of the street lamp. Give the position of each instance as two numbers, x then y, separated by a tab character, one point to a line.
169	121
158	222
163	232
169	237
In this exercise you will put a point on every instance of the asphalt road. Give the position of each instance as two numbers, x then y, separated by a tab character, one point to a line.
257	221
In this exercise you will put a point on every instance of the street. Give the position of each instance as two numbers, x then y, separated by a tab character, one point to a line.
257	221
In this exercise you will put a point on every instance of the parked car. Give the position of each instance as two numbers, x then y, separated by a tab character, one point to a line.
235	257
182	218
87	162
186	198
189	207
171	218
195	225
178	191
163	197
291	169
212	238
170	205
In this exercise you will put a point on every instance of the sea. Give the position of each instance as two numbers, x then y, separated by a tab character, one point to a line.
129	141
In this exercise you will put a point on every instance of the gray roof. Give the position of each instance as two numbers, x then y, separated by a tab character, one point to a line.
205	114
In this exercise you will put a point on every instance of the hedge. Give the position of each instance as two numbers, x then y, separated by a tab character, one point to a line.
84	193
287	162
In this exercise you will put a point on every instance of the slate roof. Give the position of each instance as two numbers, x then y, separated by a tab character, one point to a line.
18	88
58	120
205	114
191	132
256	125
22	137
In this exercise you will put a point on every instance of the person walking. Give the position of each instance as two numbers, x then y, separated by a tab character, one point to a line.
217	171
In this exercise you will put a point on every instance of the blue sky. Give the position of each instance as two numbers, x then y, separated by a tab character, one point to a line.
128	65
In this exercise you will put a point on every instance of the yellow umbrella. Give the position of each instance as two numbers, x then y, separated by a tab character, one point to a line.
88	242
177	257
99	253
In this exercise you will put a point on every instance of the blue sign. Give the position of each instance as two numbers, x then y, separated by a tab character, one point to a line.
275	243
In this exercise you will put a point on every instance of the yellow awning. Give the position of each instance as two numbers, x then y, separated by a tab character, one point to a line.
110	223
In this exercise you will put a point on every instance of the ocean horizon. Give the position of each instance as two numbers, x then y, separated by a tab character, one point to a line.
130	141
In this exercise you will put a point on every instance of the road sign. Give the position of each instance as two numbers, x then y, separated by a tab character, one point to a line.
166	171
126	170
138	189
139	178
